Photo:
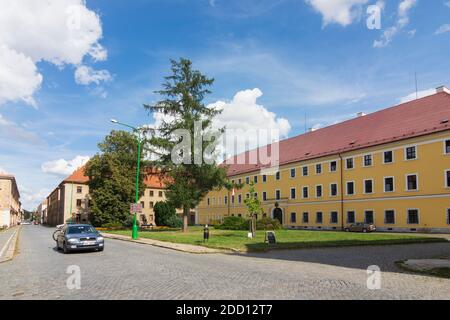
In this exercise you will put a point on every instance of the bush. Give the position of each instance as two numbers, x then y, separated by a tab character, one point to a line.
129	221
234	223
113	226
174	222
164	214
268	224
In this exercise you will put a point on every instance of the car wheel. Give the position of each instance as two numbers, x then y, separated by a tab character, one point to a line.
57	246
364	230
100	249
347	230
65	249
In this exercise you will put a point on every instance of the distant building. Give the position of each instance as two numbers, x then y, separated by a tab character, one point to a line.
10	206
71	200
41	211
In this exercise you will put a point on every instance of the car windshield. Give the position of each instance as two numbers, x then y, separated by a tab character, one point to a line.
80	229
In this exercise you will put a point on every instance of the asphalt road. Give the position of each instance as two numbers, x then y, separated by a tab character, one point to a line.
133	271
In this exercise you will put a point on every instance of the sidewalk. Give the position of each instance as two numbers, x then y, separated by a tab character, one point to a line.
168	245
8	241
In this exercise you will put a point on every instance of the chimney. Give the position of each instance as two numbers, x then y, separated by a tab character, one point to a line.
442	89
361	114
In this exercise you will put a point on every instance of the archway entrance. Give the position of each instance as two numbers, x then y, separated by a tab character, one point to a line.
278	214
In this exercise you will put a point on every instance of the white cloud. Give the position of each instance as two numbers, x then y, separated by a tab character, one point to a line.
61	32
342	12
420	94
443	29
86	75
3	171
64	167
15	134
31	198
402	20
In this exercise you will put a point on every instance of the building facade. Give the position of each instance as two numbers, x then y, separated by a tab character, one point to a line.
10	206
390	168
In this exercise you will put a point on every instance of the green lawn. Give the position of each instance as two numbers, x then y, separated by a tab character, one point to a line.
286	239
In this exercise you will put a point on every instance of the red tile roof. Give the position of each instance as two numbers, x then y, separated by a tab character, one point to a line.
152	180
411	119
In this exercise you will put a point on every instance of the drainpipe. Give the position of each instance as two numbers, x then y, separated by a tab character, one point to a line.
341	189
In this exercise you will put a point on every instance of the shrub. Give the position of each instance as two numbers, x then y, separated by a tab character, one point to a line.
113	225
174	222
234	223
214	222
129	221
268	224
164	213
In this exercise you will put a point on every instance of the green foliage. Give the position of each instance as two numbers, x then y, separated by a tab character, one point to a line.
113	226
128	223
174	222
268	224
234	223
164	212
189	180
253	204
112	174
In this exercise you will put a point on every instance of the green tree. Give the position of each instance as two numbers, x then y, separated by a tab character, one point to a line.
187	182
163	212
112	174
254	207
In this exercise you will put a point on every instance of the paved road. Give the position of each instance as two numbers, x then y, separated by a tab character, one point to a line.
132	271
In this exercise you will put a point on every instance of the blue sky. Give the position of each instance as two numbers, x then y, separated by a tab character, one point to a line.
314	57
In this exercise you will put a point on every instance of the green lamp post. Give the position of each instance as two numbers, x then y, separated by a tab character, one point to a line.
134	234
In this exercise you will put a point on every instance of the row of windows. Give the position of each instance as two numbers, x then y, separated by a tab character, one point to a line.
410	153
151	193
412	217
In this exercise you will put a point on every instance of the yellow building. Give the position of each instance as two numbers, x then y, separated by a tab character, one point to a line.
10	206
390	168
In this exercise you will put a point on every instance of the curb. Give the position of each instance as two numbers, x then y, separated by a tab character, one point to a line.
9	250
168	245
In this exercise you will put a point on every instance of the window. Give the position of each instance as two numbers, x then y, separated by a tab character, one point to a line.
389	184
411	182
333	190
319	217
247	180
293	173
448	216
293	217
208	201
79	189
305	217
239	198
413	216
160	194
232	181
247	195
152	204
351	217
388	157
318	191
367	160
447	178
264	196
349	163
447	146
225	199
232	199
333	166
152	193
350	188
368	186
389	217
239	180
319	168
277	194
305	192
305	171
264	179
277	175
255	179
255	195
410	153
334	217
78	202
368	217
293	195
142	204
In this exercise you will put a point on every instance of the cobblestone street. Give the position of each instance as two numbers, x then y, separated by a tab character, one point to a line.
133	271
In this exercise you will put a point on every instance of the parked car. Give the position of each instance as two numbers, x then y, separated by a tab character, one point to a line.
77	237
25	223
360	227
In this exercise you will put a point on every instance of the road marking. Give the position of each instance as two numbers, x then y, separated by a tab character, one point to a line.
7	244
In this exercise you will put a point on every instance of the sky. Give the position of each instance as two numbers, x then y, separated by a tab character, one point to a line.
68	66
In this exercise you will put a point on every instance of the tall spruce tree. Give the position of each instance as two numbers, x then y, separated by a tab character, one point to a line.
187	182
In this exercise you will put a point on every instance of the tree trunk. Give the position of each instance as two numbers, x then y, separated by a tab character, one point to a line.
254	226
186	211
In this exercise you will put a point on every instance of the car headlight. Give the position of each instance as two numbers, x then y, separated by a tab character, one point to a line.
72	240
100	239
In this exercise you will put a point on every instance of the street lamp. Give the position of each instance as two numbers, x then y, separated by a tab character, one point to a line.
134	234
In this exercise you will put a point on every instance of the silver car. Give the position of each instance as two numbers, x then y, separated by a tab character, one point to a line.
78	237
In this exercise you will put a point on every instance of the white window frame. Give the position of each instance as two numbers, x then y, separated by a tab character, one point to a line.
295	173
321	186
329	166
303	195
374	215
337	189
321	169
407	216
364	160
247	179
264	180
277	190
445	149
406	182
373	186
405	153
307	171
353	161
346	188
393	157
393	184
395	217
279	176
290	193
331	220
445	178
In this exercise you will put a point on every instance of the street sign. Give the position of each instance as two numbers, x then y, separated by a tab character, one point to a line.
135	208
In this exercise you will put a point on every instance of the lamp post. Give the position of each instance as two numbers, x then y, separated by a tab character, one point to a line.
134	234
